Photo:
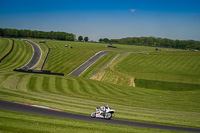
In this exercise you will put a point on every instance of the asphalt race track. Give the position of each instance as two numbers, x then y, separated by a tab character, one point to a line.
36	55
5	105
88	63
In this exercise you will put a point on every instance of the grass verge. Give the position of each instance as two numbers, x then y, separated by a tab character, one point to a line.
5	46
26	123
21	55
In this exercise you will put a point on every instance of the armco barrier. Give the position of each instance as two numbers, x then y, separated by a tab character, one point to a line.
39	72
45	59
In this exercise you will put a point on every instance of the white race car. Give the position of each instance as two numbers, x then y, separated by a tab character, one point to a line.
102	112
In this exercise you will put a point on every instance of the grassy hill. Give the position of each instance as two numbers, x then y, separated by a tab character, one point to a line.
21	55
81	95
5	46
26	123
63	59
174	70
163	66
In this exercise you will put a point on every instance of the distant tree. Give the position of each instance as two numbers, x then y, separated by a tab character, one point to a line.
146	41
70	37
7	32
16	33
86	39
106	40
37	34
101	40
80	38
1	32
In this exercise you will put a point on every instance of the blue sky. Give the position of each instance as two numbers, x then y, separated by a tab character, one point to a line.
175	19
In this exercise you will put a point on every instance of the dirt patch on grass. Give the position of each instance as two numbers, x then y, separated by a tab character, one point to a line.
132	83
98	76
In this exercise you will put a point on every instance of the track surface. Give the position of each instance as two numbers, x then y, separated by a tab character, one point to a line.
36	55
5	105
88	63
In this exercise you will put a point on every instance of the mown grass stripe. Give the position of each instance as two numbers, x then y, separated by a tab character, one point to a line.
15	57
6	46
64	82
108	89
52	85
59	84
97	89
87	88
32	83
20	55
70	85
82	87
119	89
45	84
76	87
173	62
11	56
11	85
23	83
57	54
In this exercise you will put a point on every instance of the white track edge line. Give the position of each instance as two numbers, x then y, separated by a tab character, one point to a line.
84	62
32	55
92	64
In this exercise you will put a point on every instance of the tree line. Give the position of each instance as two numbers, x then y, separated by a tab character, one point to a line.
154	41
37	34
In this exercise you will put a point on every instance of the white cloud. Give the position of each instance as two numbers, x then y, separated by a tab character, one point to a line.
132	10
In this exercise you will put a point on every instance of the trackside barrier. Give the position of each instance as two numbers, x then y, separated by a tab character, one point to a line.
39	72
45	59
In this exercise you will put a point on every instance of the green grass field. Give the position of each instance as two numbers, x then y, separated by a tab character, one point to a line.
21	55
80	95
178	70
63	59
5	46
110	75
163	66
26	123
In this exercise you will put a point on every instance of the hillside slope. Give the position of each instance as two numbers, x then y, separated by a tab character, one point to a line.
81	95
